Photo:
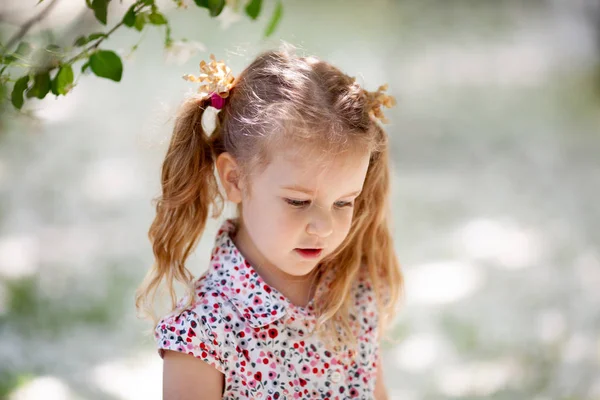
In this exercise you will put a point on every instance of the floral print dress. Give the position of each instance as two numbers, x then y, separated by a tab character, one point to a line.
262	342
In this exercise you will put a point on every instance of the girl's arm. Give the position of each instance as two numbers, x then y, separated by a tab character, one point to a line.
186	377
380	391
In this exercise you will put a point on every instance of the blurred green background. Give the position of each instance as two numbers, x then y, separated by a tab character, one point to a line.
496	156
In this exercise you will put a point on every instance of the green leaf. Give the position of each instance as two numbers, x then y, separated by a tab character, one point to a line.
80	41
100	8
274	19
129	18
24	49
62	82
148	2
16	96
95	36
107	64
253	8
54	88
53	48
140	21
2	96
84	67
83	40
214	6
157	18
41	86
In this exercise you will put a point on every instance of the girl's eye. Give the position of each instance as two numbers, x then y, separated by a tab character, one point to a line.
303	203
297	203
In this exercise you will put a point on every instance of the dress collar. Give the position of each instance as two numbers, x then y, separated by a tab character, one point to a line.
256	301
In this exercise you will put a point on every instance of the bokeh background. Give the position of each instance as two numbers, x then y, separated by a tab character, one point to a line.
496	164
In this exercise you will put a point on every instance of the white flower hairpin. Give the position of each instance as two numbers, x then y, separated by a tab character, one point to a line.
216	81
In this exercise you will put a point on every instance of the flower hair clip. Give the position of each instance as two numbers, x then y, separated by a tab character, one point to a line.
378	99
215	80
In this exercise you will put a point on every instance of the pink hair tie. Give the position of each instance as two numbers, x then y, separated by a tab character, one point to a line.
217	101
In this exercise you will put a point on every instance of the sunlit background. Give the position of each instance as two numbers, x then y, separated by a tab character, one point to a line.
496	163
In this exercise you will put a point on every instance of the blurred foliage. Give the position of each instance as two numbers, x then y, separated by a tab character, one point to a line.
30	310
10	380
36	71
34	313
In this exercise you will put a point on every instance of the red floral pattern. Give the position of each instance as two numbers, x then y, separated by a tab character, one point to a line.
262	342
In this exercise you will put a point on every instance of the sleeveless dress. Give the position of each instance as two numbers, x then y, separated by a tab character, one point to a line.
262	342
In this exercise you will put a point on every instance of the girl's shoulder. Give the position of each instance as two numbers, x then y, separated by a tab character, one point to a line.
220	305
193	330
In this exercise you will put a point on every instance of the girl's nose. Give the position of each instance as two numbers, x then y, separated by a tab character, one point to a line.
321	223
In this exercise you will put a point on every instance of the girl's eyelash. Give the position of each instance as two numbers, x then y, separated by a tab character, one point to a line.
297	203
302	203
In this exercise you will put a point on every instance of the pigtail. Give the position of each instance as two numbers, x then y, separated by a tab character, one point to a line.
189	191
367	249
375	237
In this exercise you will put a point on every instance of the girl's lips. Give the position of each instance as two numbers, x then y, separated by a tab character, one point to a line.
309	253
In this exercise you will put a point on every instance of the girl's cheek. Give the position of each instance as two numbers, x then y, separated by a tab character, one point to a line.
343	224
293	218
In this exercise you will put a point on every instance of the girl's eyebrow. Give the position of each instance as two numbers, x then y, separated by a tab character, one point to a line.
296	188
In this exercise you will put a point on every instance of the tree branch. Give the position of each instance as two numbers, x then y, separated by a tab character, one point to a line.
27	25
100	40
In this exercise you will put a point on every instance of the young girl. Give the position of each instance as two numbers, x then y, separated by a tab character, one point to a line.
303	281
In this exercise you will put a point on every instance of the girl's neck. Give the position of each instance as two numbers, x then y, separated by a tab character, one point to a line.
298	289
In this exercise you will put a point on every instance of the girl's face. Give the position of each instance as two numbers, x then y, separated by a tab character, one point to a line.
297	203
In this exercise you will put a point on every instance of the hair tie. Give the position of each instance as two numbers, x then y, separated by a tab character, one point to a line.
217	101
216	81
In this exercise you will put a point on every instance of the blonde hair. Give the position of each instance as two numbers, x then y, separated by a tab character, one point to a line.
279	96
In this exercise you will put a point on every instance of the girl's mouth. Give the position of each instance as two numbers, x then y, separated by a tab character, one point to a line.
309	253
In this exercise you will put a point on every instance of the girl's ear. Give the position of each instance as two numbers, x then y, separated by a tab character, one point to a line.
229	174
